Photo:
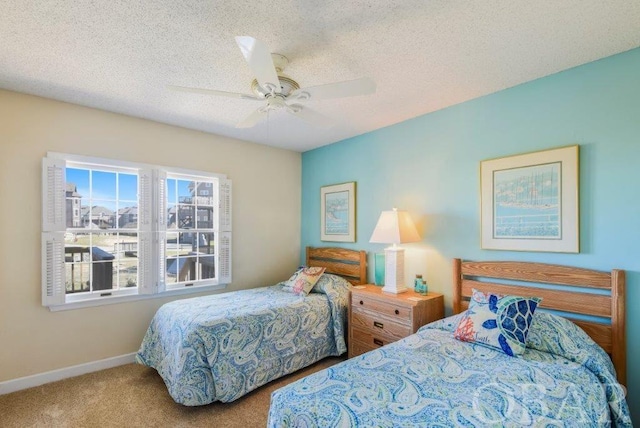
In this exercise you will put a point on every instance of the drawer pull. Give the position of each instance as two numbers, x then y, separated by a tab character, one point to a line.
378	324
397	312
361	302
378	342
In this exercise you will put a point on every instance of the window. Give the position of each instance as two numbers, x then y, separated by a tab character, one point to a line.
115	230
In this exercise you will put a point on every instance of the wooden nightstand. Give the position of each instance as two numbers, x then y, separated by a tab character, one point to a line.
377	318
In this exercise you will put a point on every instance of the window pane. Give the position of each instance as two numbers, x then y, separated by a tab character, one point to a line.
125	245
172	244
172	250
187	269
185	216
185	191
186	241
126	269
77	195
172	192
204	244
102	271
203	193
171	270
127	187
128	216
127	205
105	245
180	269
103	185
77	258
103	250
204	219
127	272
206	267
172	222
77	277
78	239
101	215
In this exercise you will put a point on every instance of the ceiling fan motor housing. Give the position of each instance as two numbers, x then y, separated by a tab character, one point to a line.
287	85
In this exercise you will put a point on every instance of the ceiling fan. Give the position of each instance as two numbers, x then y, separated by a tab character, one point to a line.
279	92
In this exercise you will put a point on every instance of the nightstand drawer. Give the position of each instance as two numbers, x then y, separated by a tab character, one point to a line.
378	326
371	339
400	314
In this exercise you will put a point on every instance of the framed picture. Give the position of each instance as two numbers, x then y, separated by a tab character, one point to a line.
529	202
338	212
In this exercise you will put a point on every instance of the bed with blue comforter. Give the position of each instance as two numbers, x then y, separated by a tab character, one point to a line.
219	347
431	379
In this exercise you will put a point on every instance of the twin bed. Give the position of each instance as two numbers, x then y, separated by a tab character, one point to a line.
563	378
221	347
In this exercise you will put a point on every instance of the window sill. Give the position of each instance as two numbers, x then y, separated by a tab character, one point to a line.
108	300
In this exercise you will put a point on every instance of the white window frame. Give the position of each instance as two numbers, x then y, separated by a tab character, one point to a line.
151	232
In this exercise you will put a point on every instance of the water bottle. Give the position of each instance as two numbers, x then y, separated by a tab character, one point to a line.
423	288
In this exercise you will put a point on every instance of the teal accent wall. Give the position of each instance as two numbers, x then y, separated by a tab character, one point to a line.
429	166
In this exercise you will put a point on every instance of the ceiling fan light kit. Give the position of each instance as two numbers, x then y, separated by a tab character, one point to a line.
277	91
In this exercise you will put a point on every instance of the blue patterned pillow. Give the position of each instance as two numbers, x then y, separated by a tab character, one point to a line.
329	283
497	321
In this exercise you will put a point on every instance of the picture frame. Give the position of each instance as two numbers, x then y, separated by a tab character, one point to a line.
338	212
529	202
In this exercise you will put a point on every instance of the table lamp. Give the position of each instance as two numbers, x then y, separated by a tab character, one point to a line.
394	227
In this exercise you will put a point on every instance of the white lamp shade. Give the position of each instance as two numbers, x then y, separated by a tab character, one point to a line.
394	227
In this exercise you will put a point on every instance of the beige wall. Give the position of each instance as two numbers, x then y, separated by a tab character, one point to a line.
266	223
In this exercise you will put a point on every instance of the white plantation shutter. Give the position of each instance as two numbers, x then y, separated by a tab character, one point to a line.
53	195
145	200
146	280
53	280
161	229
223	250
224	206
224	258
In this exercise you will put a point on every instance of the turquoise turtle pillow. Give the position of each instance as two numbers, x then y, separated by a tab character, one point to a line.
497	321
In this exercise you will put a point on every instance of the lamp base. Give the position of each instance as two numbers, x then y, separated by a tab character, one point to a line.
394	270
394	290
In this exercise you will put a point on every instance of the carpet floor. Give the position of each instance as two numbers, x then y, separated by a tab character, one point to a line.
133	396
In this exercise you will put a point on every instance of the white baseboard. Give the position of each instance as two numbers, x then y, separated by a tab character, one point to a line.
13	385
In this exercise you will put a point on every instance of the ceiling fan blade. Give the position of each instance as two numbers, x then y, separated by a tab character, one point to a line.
309	115
253	118
349	88
259	58
214	92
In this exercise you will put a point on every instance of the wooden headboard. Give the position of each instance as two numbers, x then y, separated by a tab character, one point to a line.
349	264
611	337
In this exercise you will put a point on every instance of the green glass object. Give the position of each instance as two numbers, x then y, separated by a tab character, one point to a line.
420	285
379	268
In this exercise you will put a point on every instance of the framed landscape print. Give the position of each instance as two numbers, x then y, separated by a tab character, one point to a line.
338	212
529	202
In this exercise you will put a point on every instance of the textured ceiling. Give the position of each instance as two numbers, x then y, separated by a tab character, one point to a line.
424	55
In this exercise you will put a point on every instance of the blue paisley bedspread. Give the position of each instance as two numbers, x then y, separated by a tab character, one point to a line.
219	347
431	379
